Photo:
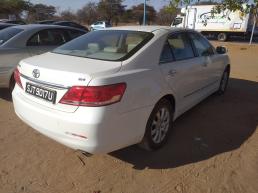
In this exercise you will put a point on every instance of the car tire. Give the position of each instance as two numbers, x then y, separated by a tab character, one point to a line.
222	37
158	126
224	81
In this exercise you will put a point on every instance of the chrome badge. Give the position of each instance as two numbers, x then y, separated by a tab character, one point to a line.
36	73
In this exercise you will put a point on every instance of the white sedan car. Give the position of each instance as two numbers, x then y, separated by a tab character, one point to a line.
99	25
113	88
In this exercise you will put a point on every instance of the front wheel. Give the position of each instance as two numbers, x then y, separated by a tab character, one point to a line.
158	126
224	82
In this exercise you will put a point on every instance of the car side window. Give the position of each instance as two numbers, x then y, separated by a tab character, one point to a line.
166	54
76	25
203	47
181	46
58	37
34	40
72	25
75	33
53	37
64	24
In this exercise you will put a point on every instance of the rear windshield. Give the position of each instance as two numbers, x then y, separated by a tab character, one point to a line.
111	45
8	33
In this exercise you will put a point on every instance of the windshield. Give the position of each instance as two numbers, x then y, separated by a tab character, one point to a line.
111	45
8	33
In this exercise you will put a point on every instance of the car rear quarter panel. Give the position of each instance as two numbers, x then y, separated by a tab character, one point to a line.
145	87
142	74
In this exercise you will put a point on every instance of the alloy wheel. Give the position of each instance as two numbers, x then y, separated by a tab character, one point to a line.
160	125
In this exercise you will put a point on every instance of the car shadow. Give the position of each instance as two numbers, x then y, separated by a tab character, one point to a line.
5	94
217	125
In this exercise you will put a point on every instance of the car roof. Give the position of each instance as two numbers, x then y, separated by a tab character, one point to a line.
101	21
147	28
7	24
43	21
41	26
65	22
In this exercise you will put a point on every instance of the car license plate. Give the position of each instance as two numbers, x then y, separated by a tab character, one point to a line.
40	92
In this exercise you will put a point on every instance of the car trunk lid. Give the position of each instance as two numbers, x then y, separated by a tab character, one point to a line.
57	73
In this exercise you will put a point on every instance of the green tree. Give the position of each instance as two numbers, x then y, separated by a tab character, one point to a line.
14	7
41	12
88	14
137	12
127	16
111	10
68	15
232	5
165	17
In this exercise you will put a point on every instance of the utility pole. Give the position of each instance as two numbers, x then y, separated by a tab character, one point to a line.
254	24
144	14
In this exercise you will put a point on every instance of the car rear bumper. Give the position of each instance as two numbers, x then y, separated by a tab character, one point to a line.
90	129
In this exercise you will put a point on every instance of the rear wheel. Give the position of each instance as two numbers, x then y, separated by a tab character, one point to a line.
222	37
224	81
158	126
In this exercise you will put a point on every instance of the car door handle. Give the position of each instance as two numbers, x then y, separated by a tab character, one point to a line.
172	72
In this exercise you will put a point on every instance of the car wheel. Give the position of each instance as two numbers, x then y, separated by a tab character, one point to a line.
158	126
222	37
224	81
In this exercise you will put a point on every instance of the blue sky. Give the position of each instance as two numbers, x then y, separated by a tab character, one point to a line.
76	4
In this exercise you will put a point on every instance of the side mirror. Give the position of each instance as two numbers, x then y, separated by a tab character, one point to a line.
221	50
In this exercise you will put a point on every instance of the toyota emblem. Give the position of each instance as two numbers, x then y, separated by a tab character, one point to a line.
36	73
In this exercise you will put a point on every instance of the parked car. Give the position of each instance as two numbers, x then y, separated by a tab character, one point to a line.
70	24
18	22
6	25
23	41
46	22
100	25
116	87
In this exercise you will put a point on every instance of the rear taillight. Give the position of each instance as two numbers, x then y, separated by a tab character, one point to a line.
94	96
17	77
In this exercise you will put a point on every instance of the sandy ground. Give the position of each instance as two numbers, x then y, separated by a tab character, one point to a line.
213	149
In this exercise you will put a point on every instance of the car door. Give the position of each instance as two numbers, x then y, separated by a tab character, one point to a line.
46	40
211	67
182	70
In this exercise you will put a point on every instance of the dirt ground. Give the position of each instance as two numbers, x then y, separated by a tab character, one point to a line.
213	149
